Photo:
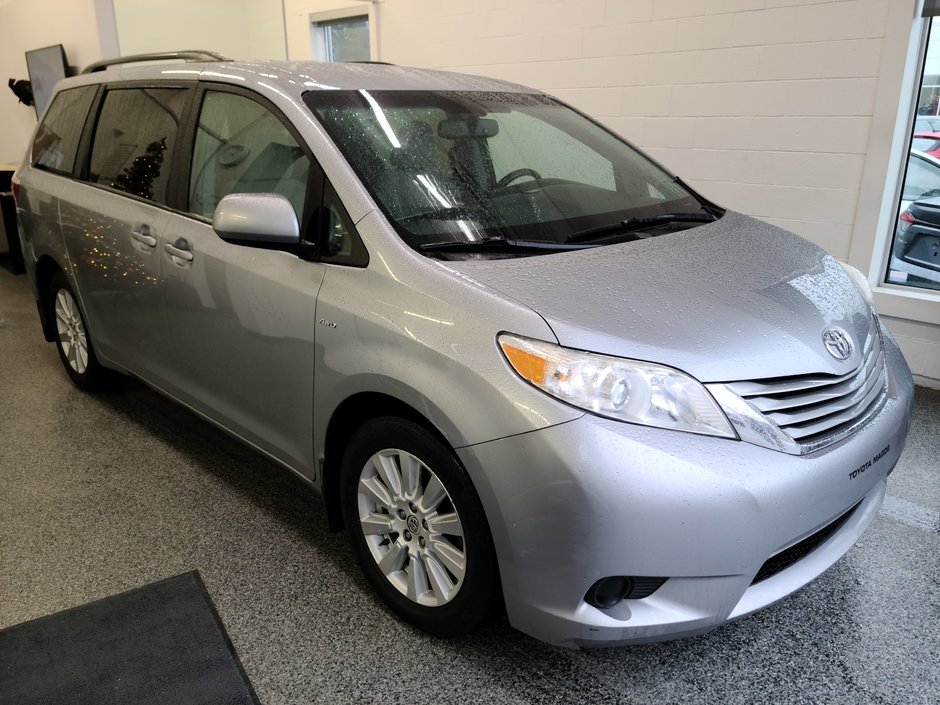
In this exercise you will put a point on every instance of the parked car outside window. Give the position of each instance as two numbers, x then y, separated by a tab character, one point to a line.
916	248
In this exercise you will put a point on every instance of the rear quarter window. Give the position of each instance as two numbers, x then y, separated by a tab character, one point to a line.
57	138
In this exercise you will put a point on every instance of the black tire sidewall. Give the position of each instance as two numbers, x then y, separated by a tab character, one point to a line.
479	590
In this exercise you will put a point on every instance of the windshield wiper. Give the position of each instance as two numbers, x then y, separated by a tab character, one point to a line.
633	224
499	243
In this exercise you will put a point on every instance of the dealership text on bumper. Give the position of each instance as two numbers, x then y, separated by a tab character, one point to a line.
862	468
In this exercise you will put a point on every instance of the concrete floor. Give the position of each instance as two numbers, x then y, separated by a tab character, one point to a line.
100	494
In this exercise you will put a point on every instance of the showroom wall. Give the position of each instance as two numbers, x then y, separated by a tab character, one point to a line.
33	24
94	29
242	29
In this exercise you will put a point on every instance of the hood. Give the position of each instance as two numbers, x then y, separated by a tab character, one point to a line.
731	300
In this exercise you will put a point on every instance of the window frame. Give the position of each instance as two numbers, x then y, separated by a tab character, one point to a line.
315	20
89	117
82	170
879	196
327	36
98	107
311	230
315	176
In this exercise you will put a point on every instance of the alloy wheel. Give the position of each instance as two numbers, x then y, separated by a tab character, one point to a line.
71	330
411	527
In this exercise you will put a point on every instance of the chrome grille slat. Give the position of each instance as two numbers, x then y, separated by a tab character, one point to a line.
798	431
790	400
751	389
817	409
812	411
797	384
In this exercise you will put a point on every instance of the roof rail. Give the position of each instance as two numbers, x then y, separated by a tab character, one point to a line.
188	55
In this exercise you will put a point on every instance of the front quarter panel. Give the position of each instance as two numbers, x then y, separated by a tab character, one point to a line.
409	327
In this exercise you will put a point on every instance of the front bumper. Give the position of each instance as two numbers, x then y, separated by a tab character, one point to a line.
591	498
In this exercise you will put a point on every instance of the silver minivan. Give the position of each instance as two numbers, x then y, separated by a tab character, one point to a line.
526	366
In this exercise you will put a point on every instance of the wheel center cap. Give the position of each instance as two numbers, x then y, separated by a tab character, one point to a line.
413	524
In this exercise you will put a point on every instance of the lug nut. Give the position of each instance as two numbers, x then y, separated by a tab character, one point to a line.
401	513
424	523
421	541
412	507
407	535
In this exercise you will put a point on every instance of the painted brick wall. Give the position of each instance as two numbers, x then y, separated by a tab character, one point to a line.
764	105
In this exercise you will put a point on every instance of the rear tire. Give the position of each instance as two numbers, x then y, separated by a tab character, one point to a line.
72	339
417	527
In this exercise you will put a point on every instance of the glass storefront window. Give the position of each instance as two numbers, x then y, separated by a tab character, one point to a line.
915	251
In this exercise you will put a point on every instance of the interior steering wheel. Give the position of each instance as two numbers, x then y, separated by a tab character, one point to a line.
516	174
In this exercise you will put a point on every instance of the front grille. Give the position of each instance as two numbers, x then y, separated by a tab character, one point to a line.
814	409
798	551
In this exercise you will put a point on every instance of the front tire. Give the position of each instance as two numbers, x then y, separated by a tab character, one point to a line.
72	340
418	528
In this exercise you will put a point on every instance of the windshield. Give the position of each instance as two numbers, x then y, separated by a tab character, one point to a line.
468	167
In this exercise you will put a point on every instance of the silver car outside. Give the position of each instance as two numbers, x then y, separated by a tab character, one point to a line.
292	356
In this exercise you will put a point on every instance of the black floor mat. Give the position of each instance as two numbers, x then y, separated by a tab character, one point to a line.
162	643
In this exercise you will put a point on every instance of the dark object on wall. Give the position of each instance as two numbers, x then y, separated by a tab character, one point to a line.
23	90
162	643
47	66
11	257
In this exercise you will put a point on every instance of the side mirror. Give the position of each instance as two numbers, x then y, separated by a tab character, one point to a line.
256	219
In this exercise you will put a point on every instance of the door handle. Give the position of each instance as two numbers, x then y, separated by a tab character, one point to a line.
143	236
179	250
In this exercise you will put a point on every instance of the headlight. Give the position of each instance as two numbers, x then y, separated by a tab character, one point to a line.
621	389
860	280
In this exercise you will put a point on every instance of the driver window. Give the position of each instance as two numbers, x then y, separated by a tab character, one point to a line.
241	147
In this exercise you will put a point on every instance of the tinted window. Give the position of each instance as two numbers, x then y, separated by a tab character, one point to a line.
134	140
57	138
241	147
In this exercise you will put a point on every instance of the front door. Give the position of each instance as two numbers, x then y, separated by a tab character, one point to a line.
241	319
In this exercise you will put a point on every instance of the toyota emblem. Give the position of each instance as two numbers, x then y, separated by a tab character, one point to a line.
837	343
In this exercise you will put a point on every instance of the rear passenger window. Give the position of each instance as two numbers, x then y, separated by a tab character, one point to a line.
241	147
134	140
57	139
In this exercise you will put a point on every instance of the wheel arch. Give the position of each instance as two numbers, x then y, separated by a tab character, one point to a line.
352	413
46	268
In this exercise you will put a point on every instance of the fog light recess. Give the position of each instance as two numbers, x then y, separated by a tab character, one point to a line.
610	591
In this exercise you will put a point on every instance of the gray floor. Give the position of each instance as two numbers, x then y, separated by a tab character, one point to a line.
103	494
